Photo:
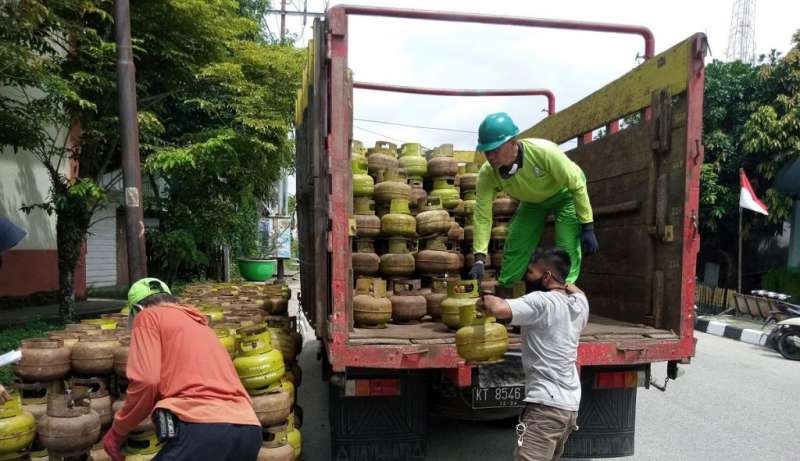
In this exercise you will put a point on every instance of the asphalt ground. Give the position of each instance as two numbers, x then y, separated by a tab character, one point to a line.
736	401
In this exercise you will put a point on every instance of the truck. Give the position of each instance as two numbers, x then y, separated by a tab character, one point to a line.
638	139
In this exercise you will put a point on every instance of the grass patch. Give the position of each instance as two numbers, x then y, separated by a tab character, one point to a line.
10	338
40	298
107	292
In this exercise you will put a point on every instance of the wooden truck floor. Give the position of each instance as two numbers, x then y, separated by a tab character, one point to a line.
598	329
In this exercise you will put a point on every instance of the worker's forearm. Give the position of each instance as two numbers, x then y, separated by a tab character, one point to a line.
496	307
139	404
583	208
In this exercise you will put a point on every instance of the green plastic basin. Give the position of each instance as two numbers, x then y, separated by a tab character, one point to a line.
256	270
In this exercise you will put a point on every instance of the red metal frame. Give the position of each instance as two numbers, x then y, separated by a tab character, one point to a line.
551	98
343	355
644	32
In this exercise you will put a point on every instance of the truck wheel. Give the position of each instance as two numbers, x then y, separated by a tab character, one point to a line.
391	428
789	345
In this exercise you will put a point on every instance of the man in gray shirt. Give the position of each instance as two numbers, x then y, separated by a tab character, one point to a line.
551	319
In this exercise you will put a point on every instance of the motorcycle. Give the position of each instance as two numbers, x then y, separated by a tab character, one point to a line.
785	337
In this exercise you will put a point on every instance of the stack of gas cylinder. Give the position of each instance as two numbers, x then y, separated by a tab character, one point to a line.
64	391
252	323
70	383
413	242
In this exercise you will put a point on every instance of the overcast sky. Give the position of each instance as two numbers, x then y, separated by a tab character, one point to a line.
572	64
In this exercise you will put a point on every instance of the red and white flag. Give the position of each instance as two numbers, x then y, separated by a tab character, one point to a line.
747	198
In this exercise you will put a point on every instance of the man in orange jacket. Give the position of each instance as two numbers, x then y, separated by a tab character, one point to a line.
178	370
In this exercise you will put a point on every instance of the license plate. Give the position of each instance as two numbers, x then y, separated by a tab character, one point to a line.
497	397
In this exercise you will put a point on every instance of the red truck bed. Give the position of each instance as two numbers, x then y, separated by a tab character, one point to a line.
643	183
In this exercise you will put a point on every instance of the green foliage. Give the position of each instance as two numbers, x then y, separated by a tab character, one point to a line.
772	134
225	141
729	99
752	121
215	95
783	280
49	76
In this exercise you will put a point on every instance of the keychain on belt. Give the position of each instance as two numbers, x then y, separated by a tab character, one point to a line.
520	432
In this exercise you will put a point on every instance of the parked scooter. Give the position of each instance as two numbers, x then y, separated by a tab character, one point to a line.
785	337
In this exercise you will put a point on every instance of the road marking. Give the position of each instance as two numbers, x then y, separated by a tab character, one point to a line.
753	337
716	328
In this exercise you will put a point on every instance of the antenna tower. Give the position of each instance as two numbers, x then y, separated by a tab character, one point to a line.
742	32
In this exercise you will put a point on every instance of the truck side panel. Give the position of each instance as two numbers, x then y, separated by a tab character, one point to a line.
643	183
313	182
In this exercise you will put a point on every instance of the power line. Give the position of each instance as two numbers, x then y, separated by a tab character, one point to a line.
383	135
383	122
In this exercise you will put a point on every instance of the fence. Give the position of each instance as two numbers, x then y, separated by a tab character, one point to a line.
713	300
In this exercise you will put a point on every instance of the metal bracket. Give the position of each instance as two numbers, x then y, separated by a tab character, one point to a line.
662	128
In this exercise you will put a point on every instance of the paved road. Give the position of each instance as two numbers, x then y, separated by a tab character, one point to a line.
735	402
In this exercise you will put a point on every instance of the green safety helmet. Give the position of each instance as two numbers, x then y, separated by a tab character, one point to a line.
146	287
495	130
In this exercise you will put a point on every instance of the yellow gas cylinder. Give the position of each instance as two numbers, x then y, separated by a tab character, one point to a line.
282	339
257	363
214	312
227	340
17	428
459	293
40	455
141	443
285	433
481	339
105	323
287	385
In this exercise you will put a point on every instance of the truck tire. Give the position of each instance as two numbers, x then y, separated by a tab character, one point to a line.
380	428
606	422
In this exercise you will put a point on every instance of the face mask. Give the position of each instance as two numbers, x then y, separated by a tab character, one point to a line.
536	285
510	171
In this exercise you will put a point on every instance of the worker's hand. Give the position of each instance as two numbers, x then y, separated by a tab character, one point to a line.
112	443
496	307
588	239
478	267
4	395
572	289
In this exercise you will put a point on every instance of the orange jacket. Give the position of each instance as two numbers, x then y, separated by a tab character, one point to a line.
176	362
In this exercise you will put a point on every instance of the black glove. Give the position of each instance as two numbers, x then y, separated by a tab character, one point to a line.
588	239
477	267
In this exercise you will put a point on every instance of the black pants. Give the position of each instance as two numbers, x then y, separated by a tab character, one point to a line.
212	442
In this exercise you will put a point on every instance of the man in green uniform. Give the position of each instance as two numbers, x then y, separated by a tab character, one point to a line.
538	174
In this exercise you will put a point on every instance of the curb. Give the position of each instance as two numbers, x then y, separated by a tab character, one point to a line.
747	335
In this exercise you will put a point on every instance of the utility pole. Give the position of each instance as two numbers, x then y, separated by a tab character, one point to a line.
283	19
129	143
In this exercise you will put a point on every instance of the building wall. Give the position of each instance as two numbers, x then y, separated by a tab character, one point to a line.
31	266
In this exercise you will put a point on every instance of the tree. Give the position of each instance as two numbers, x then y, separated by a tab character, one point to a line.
731	94
226	146
750	122
213	100
772	133
42	107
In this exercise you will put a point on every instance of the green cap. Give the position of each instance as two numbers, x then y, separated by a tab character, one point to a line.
146	287
495	130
